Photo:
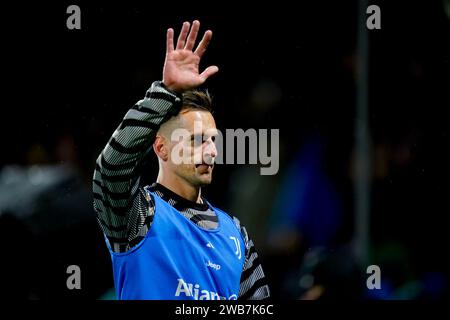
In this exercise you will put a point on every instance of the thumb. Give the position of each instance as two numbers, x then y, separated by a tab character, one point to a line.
208	72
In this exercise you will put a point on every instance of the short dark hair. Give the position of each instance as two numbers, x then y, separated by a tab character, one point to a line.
197	99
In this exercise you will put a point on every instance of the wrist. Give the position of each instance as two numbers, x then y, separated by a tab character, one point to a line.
176	94
172	88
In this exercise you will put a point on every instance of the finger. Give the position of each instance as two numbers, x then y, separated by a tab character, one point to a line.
208	72
201	48
169	45
183	35
192	35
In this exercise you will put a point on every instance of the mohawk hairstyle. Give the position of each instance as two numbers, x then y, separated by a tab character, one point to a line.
197	99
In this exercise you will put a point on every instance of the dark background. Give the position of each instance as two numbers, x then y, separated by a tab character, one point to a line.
283	66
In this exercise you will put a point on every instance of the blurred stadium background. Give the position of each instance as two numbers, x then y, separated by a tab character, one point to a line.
336	205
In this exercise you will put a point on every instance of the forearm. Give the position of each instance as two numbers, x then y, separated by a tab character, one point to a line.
117	173
134	136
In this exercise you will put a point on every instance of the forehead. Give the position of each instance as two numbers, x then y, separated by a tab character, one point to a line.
191	119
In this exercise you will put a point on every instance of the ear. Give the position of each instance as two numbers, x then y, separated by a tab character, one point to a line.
160	148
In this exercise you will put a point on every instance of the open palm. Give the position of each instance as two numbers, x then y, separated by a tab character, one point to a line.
181	67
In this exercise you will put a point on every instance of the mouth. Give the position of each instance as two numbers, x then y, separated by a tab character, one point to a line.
204	166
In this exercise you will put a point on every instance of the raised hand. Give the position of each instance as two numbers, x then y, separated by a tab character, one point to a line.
181	67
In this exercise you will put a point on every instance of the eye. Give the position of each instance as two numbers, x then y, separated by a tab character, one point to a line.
196	140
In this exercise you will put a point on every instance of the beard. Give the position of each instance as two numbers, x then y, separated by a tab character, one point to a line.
199	175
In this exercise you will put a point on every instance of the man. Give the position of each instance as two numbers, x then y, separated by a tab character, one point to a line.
166	241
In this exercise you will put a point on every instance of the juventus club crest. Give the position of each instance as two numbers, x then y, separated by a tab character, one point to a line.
238	247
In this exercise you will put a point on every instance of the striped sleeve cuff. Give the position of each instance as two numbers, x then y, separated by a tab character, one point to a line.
158	91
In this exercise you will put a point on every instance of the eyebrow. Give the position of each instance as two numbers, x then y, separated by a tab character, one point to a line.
215	134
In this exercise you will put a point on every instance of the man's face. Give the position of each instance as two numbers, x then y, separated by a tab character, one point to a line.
192	150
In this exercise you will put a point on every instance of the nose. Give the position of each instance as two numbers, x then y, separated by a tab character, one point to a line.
209	151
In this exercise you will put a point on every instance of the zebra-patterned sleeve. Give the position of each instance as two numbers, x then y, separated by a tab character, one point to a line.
116	181
253	285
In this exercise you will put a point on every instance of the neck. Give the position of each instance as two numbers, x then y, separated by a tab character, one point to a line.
180	187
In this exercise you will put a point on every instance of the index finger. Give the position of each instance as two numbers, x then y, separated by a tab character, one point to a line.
201	48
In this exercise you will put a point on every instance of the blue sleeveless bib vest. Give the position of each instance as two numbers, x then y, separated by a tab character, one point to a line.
179	260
